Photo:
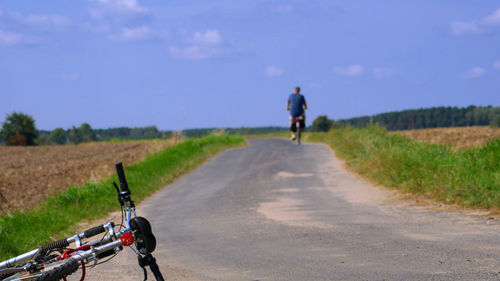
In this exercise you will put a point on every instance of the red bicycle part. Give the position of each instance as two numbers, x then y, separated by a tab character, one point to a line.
127	239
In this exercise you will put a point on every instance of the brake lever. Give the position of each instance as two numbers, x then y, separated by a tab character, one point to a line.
120	200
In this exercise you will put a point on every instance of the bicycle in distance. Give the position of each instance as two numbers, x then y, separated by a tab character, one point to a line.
298	127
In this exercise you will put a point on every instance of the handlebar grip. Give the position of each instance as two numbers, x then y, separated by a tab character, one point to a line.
106	254
121	177
94	231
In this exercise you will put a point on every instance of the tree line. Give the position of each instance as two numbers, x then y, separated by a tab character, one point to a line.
85	133
20	129
434	117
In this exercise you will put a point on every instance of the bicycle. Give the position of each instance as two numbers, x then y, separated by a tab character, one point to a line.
299	125
55	261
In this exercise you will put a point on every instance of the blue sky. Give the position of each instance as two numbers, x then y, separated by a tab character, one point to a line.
227	63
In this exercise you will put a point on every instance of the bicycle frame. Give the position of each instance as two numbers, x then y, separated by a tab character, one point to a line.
94	250
77	239
298	128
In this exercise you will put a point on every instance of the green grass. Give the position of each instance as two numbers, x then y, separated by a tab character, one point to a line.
24	231
469	178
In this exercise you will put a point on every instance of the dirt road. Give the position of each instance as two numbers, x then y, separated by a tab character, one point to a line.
278	211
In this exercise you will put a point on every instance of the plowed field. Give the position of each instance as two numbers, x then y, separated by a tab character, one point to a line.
27	174
458	137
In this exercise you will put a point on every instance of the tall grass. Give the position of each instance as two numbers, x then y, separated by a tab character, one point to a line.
23	231
465	177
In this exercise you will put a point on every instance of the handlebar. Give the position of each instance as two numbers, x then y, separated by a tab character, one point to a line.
110	244
121	177
94	231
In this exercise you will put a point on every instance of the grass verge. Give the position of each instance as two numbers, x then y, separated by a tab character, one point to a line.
469	177
24	231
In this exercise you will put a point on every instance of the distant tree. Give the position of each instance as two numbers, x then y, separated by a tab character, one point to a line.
42	138
321	124
74	135
18	129
57	136
149	132
86	133
495	117
495	122
428	118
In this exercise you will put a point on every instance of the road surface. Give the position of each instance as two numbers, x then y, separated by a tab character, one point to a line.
278	211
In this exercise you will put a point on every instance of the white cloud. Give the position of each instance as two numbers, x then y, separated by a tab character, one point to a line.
493	19
133	34
350	71
70	76
60	21
274	71
47	20
102	28
474	72
38	21
17	29
117	7
496	65
121	20
209	37
483	25
284	9
202	45
459	28
383	72
193	52
10	38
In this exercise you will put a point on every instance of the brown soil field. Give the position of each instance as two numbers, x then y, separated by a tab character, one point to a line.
28	174
458	137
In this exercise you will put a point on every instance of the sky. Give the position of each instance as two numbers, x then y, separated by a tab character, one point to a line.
181	64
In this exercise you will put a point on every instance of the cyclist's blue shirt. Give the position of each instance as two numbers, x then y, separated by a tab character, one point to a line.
297	102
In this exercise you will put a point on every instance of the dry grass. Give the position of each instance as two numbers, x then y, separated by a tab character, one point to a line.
458	137
28	174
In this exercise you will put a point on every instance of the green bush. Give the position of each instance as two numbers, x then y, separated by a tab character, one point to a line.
18	129
57	136
321	124
495	122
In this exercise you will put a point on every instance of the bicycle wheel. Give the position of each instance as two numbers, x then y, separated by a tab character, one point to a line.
52	272
298	133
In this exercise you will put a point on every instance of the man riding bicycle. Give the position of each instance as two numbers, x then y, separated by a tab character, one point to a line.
296	105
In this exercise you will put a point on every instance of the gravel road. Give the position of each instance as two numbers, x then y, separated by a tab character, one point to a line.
278	211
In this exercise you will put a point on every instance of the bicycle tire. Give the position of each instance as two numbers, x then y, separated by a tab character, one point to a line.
3	276
298	134
59	272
